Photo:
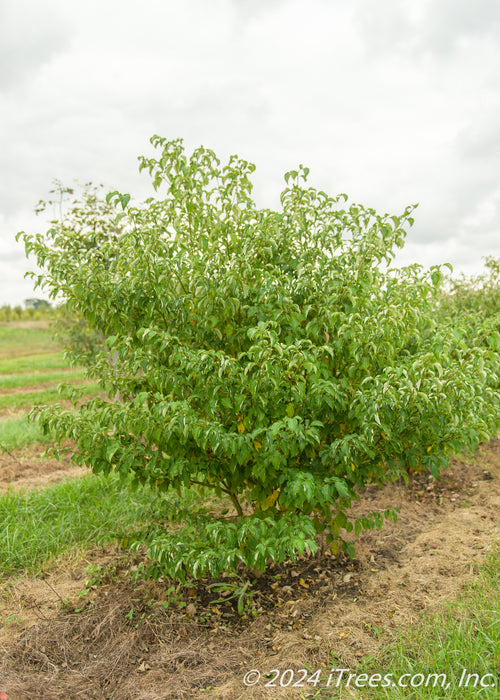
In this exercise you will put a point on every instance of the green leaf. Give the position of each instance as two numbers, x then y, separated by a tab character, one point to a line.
124	200
436	277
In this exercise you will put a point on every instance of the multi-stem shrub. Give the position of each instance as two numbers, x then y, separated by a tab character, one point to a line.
273	357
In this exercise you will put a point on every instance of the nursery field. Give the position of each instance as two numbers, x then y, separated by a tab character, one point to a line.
33	371
419	599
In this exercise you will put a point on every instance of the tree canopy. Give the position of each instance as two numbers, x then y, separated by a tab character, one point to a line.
276	359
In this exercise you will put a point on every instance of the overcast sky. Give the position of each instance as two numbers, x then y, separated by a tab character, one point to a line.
393	102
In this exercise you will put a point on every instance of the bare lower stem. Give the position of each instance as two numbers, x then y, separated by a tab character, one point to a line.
236	504
231	495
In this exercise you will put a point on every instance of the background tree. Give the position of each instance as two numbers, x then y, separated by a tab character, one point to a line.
273	358
83	224
5	312
37	304
471	307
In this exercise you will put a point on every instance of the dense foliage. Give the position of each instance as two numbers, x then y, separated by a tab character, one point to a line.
477	296
275	358
471	306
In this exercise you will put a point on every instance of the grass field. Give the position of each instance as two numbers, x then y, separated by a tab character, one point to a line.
33	371
40	526
20	341
25	399
30	362
18	379
20	432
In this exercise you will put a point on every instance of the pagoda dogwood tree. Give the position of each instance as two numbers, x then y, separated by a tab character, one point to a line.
273	357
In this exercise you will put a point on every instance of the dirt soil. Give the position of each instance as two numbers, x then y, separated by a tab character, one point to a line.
116	640
26	324
25	469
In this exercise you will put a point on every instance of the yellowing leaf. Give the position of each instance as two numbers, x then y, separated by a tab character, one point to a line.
271	500
303	583
257	445
290	410
430	448
241	427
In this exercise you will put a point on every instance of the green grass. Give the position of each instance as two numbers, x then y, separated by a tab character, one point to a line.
29	357
14	381
13	337
464	634
51	360
53	394
38	526
20	432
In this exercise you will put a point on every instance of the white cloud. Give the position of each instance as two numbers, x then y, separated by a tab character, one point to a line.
31	34
447	23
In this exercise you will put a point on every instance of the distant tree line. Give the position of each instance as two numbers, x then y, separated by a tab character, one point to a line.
34	309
